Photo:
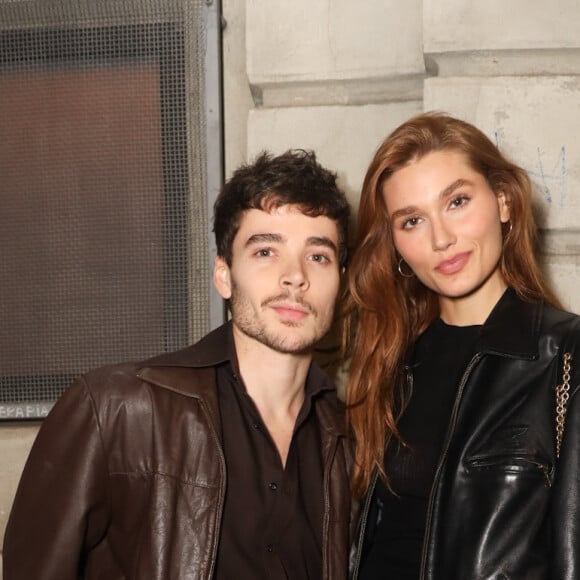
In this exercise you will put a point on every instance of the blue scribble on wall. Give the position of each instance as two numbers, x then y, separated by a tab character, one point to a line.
550	180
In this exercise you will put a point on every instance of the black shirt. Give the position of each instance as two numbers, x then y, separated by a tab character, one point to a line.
272	518
440	357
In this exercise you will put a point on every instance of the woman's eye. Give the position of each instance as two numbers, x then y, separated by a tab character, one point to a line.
459	201
410	223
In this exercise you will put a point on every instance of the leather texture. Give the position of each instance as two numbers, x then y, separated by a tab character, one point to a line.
502	506
126	479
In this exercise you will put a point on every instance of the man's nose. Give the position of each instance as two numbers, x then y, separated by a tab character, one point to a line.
294	275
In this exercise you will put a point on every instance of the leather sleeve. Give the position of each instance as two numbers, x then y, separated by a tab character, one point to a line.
566	492
61	508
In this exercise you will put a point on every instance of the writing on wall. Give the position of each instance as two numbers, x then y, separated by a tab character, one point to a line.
549	173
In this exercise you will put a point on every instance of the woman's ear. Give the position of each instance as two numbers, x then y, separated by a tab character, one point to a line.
222	279
504	208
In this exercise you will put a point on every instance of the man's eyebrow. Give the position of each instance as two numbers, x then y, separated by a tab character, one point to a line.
270	238
324	242
263	238
449	190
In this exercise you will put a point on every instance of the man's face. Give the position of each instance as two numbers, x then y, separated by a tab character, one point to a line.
284	278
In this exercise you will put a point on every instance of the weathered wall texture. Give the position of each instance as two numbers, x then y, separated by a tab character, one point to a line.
512	69
15	443
339	76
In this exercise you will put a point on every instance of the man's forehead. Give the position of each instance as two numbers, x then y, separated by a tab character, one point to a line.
282	223
284	214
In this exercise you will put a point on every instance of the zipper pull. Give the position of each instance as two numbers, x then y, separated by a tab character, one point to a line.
546	472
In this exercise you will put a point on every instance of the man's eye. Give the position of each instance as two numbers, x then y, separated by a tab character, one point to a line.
264	253
320	258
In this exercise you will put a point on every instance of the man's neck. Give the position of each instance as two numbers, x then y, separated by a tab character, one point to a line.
275	381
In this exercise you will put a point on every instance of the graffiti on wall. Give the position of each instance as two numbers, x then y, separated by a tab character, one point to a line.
549	173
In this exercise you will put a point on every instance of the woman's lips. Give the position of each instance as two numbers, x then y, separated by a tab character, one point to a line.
453	265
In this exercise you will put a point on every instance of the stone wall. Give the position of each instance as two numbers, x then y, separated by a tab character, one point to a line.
15	442
339	76
512	68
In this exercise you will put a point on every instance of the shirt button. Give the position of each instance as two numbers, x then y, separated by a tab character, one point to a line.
269	548
255	425
273	486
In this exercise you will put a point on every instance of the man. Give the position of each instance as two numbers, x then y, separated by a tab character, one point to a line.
225	460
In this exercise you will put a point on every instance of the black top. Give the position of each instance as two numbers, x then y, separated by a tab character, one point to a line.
273	515
440	357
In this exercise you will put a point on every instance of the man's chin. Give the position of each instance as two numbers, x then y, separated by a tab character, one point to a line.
298	345
292	347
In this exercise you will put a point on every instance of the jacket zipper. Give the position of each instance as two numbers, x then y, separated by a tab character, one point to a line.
363	523
331	453
546	472
442	457
545	469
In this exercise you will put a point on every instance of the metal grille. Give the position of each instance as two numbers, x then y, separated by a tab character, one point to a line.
103	164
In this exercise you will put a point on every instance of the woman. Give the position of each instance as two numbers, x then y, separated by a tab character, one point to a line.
458	346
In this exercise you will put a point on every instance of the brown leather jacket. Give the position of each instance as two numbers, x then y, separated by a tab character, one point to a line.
127	476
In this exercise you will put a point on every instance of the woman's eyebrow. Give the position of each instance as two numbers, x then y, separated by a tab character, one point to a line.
453	186
446	192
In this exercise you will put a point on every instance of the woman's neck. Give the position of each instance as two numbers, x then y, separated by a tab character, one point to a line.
474	308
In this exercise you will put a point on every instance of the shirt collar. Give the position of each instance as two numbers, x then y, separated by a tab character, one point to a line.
214	349
317	381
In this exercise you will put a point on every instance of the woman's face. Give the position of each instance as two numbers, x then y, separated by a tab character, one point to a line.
446	224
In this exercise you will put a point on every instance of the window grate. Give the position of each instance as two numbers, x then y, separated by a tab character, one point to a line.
103	157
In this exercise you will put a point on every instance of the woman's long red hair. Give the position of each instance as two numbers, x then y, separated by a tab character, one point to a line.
384	312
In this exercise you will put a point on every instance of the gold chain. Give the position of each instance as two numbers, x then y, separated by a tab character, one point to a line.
562	396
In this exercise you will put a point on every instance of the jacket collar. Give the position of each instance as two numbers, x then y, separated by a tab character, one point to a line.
213	349
329	409
190	372
512	328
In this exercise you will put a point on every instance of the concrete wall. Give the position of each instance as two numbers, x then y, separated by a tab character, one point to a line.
338	76
512	69
15	442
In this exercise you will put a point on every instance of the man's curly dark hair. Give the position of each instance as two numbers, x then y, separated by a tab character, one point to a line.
292	178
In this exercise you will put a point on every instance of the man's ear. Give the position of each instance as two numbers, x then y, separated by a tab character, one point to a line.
222	279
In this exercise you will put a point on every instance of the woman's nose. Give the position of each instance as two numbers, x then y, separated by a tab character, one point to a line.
442	235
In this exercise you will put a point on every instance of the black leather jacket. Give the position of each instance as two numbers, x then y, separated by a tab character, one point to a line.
503	506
